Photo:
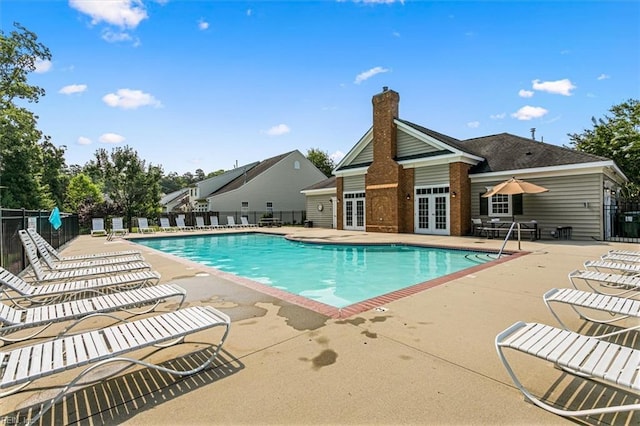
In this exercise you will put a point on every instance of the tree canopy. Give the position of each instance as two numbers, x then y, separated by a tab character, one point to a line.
321	160
615	136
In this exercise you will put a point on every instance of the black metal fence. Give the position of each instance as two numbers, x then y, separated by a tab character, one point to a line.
12	220
622	222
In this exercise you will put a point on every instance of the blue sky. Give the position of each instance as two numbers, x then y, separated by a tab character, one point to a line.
205	84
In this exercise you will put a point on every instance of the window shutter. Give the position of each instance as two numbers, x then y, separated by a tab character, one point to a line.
516	202
484	206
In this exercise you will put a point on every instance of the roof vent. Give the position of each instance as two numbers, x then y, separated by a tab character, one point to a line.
527	153
385	88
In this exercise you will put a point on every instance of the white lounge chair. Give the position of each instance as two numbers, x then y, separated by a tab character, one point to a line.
231	223
143	226
108	345
110	264
614	284
18	291
200	223
616	308
41	242
75	273
625	252
576	354
135	302
181	226
629	268
165	225
60	265
625	258
97	227
245	222
117	228
215	223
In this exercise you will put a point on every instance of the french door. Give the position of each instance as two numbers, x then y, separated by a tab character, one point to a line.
432	210
354	213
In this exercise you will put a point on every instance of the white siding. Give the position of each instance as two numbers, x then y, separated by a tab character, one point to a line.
365	156
353	183
563	205
432	175
410	145
280	184
320	219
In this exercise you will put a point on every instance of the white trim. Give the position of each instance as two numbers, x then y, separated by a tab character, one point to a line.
435	161
356	149
352	172
322	191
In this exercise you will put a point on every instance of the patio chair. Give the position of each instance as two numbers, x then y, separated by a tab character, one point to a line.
578	355
165	225
135	302
215	224
231	223
625	252
245	222
625	258
111	264
200	223
143	226
476	227
109	345
181	226
117	228
74	270
41	242
614	284
97	227
616	308
627	268
18	291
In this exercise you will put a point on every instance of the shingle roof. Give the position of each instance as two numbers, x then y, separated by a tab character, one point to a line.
441	137
327	183
509	152
251	173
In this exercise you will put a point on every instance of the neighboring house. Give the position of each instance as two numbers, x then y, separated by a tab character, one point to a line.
175	201
402	177
267	186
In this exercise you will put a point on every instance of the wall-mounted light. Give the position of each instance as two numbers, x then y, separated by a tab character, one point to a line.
453	194
408	196
585	204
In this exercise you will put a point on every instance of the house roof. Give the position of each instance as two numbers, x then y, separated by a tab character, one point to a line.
453	142
504	152
172	196
251	173
327	183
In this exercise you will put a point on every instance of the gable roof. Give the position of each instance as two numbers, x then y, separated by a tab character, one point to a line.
173	196
250	173
505	151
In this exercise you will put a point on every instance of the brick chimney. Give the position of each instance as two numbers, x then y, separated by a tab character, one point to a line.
384	179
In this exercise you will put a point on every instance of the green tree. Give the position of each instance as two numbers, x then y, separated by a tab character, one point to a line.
82	190
20	153
321	160
616	137
130	185
55	175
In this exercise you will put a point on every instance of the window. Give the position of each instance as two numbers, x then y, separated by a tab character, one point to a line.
269	207
296	165
245	206
500	205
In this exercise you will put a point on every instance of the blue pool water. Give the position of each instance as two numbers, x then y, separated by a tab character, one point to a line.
337	275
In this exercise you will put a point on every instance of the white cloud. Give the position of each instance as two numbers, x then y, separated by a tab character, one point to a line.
498	116
558	87
84	141
111	138
115	37
525	93
73	88
249	12
121	13
279	130
337	156
369	73
604	77
203	25
42	66
130	99
473	124
396	34
529	112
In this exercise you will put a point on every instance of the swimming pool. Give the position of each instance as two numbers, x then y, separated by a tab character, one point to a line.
334	274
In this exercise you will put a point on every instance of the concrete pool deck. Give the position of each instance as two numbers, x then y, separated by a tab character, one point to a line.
428	358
